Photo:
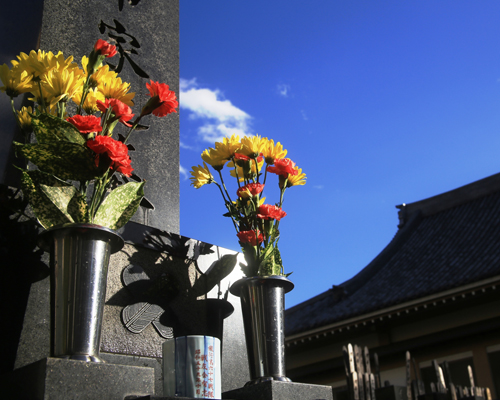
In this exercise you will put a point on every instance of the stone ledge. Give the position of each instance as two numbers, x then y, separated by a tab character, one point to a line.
277	390
61	379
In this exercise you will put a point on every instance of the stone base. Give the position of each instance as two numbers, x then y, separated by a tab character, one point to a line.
60	379
277	390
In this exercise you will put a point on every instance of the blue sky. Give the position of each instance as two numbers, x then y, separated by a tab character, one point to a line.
379	102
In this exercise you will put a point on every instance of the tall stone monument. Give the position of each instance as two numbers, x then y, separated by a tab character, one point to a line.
148	33
158	284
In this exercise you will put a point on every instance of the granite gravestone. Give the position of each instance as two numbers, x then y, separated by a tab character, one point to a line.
149	28
23	35
153	248
167	260
148	33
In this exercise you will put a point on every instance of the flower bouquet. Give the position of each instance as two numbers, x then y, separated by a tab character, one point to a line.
84	175
84	187
256	223
262	291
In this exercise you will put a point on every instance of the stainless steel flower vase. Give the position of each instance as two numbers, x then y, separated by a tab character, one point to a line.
79	268
263	309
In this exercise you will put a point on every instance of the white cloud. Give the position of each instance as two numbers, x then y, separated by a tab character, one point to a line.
283	90
183	172
304	115
183	145
220	117
318	187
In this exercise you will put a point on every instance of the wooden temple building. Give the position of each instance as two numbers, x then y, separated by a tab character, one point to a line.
433	291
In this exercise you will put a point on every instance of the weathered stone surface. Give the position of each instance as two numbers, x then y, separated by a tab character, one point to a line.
72	27
56	378
186	314
276	390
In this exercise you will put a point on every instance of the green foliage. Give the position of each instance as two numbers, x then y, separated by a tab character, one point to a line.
65	160
69	201
50	129
46	211
61	155
120	205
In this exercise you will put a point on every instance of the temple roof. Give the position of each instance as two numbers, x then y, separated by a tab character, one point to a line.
443	243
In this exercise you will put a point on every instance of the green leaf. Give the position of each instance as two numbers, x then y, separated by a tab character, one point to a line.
60	197
46	211
62	159
69	201
78	208
270	260
49	129
120	205
278	263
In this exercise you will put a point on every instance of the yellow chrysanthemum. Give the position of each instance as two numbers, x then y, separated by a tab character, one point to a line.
296	180
251	146
112	87
15	81
213	158
38	63
252	172
90	104
270	151
102	74
228	147
24	117
60	85
201	176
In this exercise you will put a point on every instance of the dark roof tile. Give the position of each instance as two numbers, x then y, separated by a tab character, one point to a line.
437	248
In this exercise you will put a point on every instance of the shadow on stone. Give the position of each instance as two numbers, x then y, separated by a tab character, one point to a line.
22	265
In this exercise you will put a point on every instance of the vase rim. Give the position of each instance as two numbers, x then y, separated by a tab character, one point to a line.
45	238
277	280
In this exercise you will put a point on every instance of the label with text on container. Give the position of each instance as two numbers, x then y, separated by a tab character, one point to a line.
191	367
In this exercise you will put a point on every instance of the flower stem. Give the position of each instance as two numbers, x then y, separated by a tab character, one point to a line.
227	204
42	100
136	122
15	113
224	185
85	92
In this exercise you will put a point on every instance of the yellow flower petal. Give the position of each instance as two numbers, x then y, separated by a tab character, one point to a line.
15	81
271	152
201	176
252	146
296	180
24	118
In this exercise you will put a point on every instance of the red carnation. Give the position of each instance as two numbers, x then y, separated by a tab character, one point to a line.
120	110
249	237
242	157
252	189
162	102
86	123
115	150
267	211
283	167
105	48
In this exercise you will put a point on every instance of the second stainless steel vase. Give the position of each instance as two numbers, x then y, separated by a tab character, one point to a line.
263	309
79	262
